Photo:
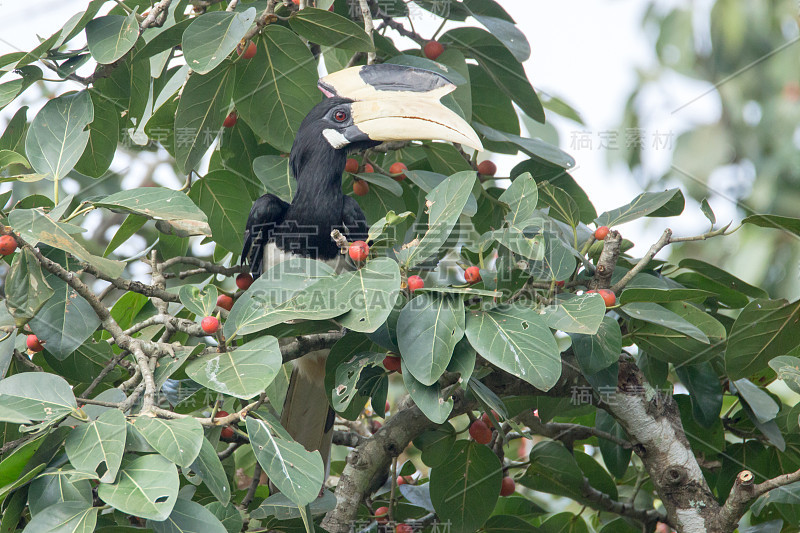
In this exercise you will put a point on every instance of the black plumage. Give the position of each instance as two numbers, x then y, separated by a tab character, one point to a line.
304	227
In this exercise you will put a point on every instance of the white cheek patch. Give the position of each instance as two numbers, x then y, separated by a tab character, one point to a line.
335	138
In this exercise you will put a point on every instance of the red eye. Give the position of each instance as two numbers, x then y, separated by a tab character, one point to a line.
340	116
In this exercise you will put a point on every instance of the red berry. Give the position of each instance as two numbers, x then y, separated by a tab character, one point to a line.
381	514
608	296
249	50
230	120
559	284
472	274
398	168
351	166
507	487
487	168
221	414
405	480
8	245
360	187
368	168
387	407
227	432
224	301
403	528
415	282
480	432
392	364
487	420
433	49
244	280
34	344
359	251
600	233
210	324
296	2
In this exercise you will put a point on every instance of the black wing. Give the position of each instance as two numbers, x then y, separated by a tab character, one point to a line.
355	222
266	213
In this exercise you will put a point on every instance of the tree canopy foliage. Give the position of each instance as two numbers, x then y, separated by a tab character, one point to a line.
664	403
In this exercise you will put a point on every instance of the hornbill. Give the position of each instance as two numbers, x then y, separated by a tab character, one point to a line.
365	106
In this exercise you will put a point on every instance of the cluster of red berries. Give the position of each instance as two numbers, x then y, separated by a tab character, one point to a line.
481	432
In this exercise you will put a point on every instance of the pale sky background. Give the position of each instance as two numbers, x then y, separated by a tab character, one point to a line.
586	52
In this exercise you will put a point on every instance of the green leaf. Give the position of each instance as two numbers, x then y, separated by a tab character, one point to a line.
722	277
371	292
763	328
228	514
202	108
553	470
282	508
615	457
633	294
598	351
516	339
65	517
456	65
127	229
103	138
581	314
8	158
788	369
656	314
223	197
189	517
65	321
536	148
292	289
428	330
507	524
58	135
100	442
11	89
178	440
705	391
54	486
201	303
500	64
508	34
521	197
274	173
564	523
761	403
209	468
147	487
790	224
282	75
384	182
26	288
327	28
211	37
297	473
158	203
465	488
643	205
436	444
670	346
36	227
243	372
111	37
562	206
40	51
707	211
446	202
37	395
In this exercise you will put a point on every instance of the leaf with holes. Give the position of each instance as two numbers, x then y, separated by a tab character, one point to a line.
200	302
178	440
147	487
428	330
516	339
428	398
465	488
581	314
100	441
296	472
243	372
